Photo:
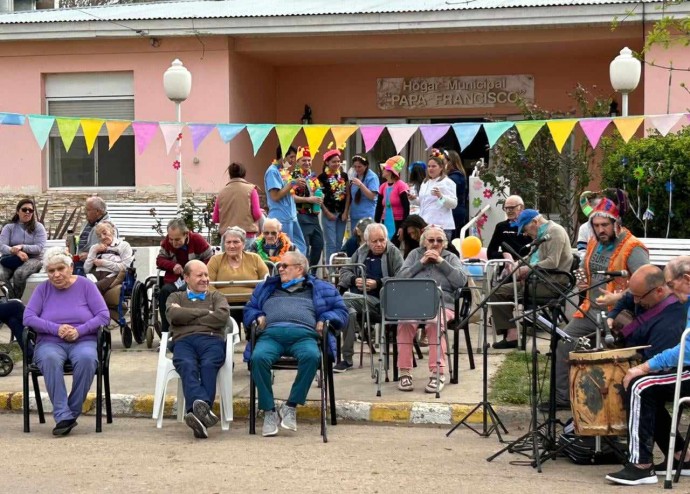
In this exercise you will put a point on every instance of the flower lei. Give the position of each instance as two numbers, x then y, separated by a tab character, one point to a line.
337	185
311	179
262	253
287	176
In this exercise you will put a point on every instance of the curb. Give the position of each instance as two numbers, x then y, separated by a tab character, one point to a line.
414	413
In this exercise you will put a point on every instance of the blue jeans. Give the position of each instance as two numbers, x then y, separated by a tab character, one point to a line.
197	359
50	358
333	233
313	236
275	342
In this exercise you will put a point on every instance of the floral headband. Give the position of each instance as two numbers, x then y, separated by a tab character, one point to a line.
359	157
439	153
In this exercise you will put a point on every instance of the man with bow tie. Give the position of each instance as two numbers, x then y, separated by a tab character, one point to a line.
197	318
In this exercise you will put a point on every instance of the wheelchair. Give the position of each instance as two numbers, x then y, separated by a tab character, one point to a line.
6	362
144	315
119	311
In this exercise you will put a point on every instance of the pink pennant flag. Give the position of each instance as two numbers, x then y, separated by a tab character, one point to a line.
143	133
401	134
199	133
171	132
370	134
432	133
664	123
594	128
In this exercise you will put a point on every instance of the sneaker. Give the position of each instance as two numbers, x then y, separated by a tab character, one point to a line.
64	427
204	413
631	475
271	420
288	418
660	469
196	425
405	383
435	385
505	344
342	366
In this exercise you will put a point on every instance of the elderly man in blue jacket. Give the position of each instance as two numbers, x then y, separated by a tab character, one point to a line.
291	310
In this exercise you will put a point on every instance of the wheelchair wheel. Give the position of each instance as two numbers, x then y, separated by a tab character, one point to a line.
126	335
6	364
149	337
139	312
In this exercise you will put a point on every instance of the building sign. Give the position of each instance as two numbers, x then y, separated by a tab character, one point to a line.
453	92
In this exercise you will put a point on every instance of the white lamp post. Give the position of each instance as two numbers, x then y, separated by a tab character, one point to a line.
624	73
177	81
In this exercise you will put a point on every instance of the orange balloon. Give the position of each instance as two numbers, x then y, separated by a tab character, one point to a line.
471	246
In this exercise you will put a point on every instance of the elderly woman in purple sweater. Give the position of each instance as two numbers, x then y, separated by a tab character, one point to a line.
21	245
66	312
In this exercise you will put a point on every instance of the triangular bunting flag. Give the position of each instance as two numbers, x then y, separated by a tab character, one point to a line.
494	130
286	134
68	128
40	126
370	135
664	123
401	134
12	119
594	128
432	133
199	133
90	127
171	131
561	130
115	130
258	134
143	133
228	132
341	133
315	135
527	130
466	132
627	126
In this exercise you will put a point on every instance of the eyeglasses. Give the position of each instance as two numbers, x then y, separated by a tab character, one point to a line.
284	265
672	283
270	233
27	210
510	208
435	240
640	297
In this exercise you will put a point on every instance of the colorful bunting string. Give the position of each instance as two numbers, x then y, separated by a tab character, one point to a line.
68	128
528	129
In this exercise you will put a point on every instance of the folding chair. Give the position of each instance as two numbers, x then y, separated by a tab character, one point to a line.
325	378
30	369
166	371
678	403
410	299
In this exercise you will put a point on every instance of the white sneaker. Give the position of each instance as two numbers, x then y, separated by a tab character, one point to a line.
270	427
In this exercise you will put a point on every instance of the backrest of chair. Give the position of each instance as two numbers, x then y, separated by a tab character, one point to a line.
409	299
271	268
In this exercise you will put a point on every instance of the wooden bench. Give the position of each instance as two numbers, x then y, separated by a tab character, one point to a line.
662	250
135	219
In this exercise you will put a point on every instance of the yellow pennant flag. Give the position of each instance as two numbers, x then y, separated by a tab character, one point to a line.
315	135
68	128
115	130
341	134
90	128
528	129
627	126
560	131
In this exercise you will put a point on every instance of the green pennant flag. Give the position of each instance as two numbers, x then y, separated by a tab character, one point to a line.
286	134
528	129
68	128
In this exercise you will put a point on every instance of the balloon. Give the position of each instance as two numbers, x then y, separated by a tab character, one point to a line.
471	246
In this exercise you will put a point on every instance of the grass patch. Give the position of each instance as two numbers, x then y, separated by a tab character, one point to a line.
14	351
511	383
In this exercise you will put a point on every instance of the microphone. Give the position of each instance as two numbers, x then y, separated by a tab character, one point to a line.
538	241
616	274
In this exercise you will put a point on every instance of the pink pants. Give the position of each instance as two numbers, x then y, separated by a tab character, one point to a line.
406	334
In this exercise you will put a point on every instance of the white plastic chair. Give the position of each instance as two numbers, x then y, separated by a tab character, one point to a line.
166	371
678	401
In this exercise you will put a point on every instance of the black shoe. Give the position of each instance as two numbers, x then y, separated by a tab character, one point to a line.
203	412
342	366
631	475
505	344
64	427
660	468
196	425
544	406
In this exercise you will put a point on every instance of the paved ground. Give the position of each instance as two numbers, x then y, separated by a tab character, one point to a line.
132	456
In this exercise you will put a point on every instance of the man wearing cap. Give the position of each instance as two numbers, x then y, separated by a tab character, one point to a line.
555	253
279	185
612	248
309	197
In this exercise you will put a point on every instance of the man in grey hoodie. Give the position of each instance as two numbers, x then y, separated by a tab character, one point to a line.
382	260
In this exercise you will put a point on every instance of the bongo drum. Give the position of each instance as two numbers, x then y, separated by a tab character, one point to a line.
597	396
